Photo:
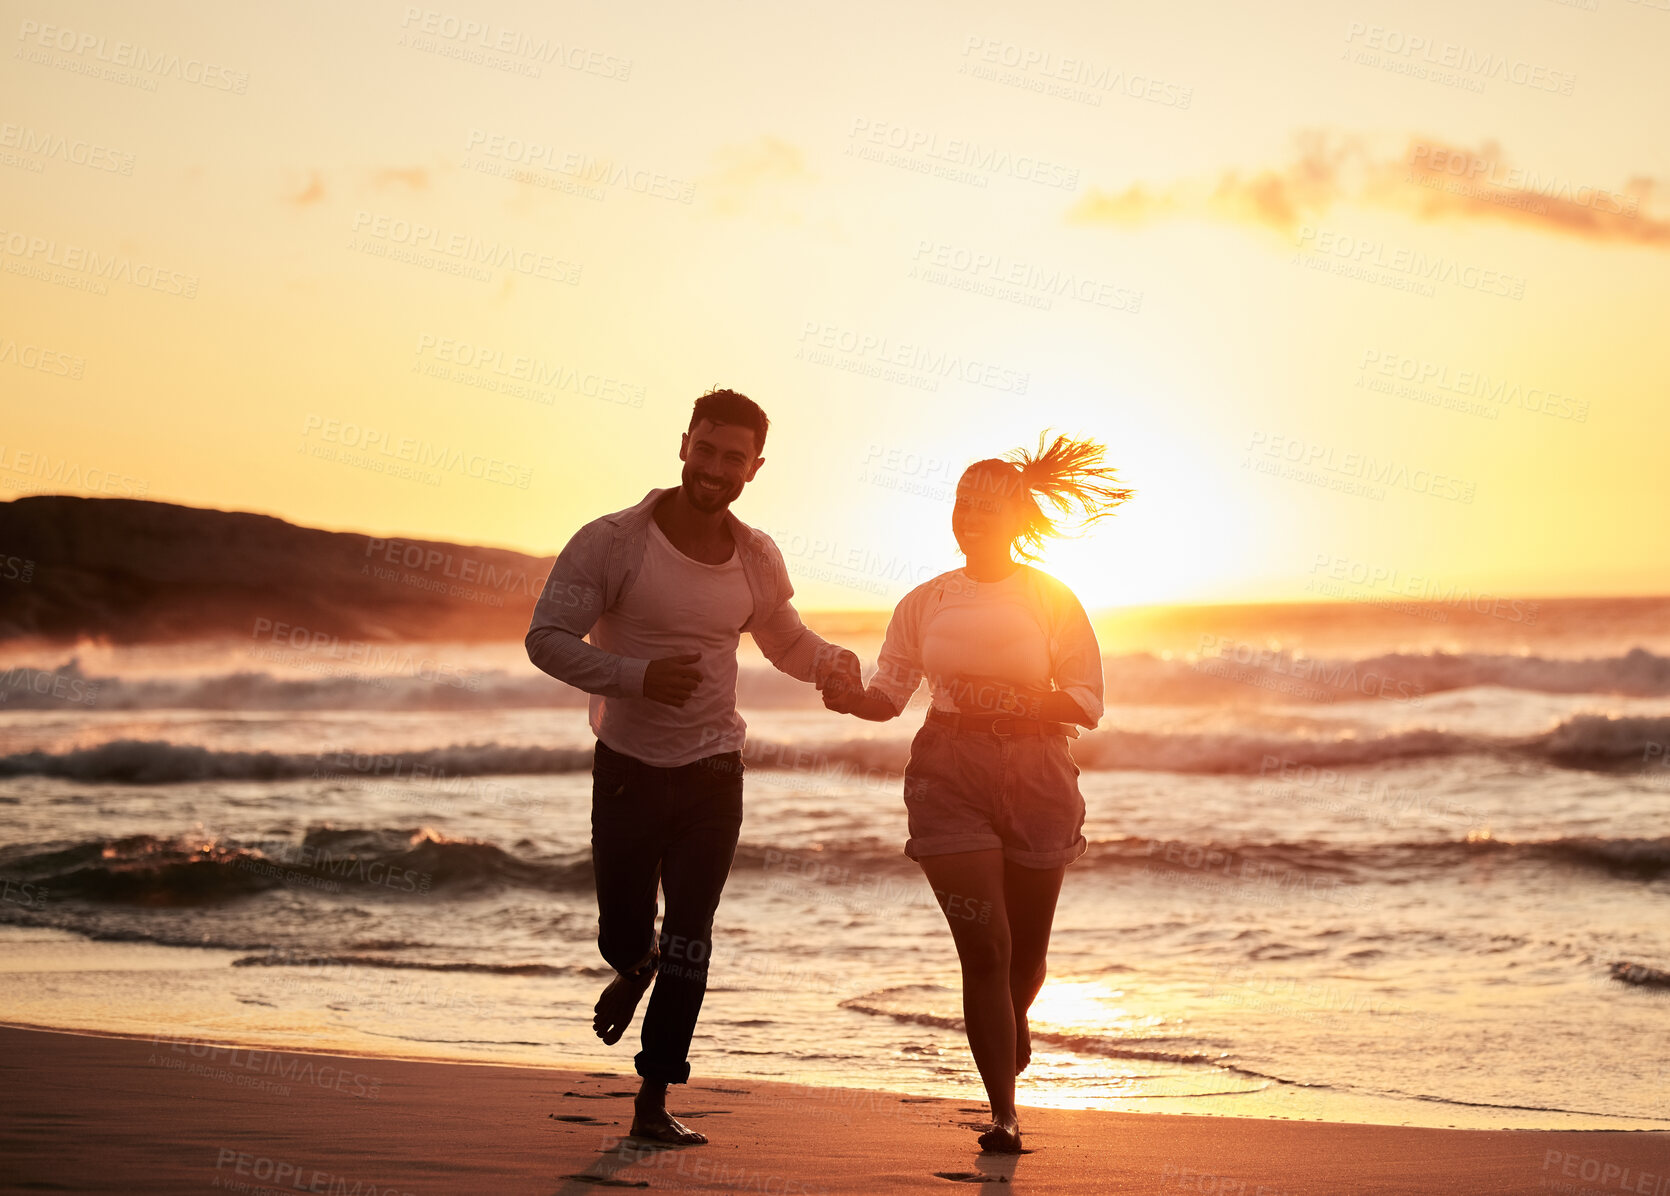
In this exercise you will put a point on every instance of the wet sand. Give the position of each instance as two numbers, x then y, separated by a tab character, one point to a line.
86	1113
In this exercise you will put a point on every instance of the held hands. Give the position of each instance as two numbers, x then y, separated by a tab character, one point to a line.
843	685
671	680
842	671
843	696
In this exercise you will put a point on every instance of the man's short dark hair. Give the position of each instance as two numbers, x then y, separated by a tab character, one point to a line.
729	407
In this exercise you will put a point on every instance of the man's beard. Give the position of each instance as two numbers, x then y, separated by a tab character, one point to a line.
701	499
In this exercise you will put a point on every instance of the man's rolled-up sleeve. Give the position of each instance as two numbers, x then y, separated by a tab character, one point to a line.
568	607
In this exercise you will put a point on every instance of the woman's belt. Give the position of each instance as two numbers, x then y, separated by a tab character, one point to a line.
1000	724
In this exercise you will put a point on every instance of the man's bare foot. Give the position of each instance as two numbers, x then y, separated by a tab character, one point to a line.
1023	1043
658	1125
1004	1137
614	1009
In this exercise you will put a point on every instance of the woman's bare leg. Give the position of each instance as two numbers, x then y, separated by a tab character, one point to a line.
1029	897
969	886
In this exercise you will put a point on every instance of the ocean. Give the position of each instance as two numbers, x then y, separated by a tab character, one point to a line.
1384	861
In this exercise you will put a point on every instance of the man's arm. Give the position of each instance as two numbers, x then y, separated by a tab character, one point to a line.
797	650
568	607
793	647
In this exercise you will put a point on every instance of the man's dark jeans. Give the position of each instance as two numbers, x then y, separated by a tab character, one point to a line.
676	826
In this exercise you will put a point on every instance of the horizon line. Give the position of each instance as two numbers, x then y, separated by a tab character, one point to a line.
1369	600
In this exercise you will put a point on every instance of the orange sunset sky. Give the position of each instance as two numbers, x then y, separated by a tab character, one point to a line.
1374	283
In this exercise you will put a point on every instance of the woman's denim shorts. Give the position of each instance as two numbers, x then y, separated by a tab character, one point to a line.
969	790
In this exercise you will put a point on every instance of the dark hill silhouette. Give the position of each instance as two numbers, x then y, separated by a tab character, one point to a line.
133	571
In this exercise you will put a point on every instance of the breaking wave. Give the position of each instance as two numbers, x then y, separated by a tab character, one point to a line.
1239	673
1586	741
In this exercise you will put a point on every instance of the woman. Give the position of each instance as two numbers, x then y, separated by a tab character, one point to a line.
991	791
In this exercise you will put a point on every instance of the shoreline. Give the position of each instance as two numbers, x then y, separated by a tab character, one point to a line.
94	1112
61	983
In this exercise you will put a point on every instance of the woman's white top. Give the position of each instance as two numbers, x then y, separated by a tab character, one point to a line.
1028	630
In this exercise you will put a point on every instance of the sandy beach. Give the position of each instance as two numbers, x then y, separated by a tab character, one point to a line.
87	1113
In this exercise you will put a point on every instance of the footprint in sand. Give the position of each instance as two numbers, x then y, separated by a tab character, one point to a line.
604	1182
972	1177
577	1118
598	1095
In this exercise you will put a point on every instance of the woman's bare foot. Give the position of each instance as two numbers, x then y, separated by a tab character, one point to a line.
614	1009
1023	1043
1004	1137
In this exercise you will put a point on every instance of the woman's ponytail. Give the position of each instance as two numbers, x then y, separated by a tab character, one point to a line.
1070	477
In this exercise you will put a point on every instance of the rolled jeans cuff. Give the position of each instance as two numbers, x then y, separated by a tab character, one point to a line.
663	1074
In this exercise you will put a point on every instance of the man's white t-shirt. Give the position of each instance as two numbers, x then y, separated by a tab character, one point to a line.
1027	630
676	606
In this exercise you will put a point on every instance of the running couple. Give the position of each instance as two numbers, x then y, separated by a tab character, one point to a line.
664	590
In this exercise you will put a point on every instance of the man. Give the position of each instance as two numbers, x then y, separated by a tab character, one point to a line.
664	589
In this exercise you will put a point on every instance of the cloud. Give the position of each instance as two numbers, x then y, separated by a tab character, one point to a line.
763	178
414	177
1431	180
311	194
766	159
